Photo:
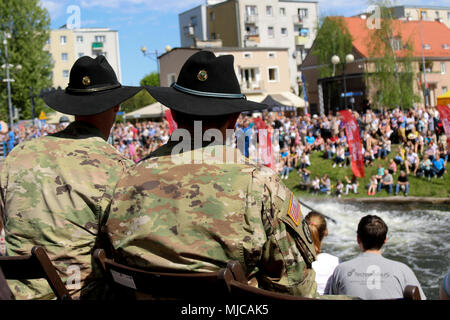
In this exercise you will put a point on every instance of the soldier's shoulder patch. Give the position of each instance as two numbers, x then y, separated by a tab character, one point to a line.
294	211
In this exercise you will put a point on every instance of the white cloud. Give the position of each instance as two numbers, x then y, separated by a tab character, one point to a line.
152	5
54	7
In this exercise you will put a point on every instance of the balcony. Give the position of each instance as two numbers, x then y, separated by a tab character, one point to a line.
298	19
252	39
251	87
301	41
97	46
251	19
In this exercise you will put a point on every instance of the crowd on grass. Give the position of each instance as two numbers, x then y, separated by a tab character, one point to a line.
422	145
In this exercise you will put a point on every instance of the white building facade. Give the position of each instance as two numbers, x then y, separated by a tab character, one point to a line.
67	45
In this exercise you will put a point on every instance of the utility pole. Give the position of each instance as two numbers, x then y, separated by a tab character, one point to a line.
8	80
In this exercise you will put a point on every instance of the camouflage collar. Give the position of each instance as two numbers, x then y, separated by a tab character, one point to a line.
79	129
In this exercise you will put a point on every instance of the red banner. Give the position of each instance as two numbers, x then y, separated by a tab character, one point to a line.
354	143
444	112
265	143
172	124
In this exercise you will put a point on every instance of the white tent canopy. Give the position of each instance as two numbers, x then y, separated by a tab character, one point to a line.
151	111
285	98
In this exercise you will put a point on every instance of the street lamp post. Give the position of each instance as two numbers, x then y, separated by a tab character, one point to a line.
8	80
349	58
154	57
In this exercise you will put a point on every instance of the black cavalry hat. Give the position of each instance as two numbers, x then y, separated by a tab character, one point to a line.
93	88
206	86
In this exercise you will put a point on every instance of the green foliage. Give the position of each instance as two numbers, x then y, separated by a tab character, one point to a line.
332	38
29	26
151	79
393	76
142	99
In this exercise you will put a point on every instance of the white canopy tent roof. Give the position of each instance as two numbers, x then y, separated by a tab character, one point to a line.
151	111
285	98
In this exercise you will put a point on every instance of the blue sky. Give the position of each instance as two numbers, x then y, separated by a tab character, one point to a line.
154	23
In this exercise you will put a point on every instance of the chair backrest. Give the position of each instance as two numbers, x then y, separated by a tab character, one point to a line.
5	292
165	285
411	293
34	266
245	292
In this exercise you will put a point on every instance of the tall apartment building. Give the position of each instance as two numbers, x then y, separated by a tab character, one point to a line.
288	24
67	45
423	12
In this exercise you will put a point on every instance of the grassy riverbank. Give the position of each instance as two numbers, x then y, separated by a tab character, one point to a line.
418	187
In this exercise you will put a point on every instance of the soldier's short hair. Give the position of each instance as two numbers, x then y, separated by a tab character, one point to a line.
372	231
189	119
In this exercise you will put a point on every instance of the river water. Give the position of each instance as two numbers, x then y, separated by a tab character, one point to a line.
418	235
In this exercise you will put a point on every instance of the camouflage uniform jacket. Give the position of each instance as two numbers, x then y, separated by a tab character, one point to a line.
197	217
54	193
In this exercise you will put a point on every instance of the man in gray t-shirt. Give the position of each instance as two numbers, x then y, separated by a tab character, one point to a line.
370	275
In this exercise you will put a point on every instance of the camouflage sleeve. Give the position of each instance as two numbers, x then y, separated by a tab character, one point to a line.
288	252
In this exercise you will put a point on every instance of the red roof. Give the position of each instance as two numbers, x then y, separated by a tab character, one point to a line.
434	33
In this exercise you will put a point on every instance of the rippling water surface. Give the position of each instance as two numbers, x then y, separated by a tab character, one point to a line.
418	236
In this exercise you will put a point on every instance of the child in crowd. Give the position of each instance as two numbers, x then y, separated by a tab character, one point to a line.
373	186
339	188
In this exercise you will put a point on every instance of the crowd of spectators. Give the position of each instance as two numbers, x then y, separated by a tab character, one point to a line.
422	145
419	134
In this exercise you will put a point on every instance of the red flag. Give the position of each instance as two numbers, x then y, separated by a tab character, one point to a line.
265	143
172	124
444	112
354	143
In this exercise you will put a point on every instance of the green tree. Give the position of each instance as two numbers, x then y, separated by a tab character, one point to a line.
143	98
333	38
151	79
29	25
392	57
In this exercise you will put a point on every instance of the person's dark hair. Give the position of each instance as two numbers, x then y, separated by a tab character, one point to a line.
318	227
372	232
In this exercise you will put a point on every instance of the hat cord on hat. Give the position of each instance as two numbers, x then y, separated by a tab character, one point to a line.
88	90
209	94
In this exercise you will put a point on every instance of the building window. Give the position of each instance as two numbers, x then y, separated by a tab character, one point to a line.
194	21
270	32
273	74
251	10
437	14
442	67
99	54
284	32
303	13
444	90
171	78
272	55
448	15
80	54
79	39
445	46
213	36
423	15
64	56
100	38
48	41
283	12
397	44
63	39
269	10
212	16
426	46
247	55
65	73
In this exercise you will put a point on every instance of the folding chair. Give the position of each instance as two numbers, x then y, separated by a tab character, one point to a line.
133	283
411	293
34	266
241	290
